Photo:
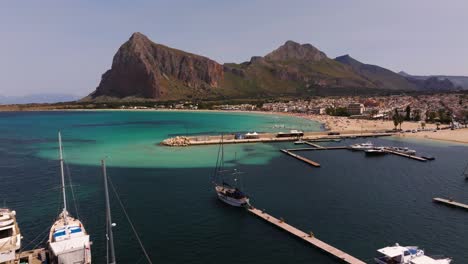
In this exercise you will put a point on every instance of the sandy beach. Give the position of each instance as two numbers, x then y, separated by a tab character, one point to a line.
345	124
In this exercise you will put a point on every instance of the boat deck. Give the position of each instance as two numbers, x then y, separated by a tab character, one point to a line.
306	237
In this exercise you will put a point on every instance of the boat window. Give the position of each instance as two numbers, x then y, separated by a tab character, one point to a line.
6	233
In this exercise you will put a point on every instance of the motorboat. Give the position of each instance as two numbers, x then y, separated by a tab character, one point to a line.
406	255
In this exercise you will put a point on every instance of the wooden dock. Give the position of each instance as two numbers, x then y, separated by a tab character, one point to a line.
309	238
405	155
450	202
35	256
310	162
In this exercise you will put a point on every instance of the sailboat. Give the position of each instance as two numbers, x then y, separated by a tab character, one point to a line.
109	224
68	240
231	195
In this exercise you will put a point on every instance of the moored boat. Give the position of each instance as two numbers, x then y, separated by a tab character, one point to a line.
362	146
375	152
404	150
406	255
10	236
229	194
68	243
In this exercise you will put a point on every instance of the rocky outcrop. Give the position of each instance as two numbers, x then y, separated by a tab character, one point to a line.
142	68
179	141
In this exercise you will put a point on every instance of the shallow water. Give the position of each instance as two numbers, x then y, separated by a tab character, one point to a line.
354	202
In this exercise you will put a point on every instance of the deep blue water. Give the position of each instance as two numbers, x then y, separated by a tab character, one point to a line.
354	202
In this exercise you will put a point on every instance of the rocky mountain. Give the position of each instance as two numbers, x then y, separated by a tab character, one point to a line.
460	82
144	69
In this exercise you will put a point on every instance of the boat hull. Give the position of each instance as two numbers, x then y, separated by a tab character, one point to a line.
232	201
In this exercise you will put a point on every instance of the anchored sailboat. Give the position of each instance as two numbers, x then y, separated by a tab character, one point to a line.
227	193
109	224
68	240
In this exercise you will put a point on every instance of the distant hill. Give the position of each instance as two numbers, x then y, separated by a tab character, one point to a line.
379	76
458	81
144	69
38	98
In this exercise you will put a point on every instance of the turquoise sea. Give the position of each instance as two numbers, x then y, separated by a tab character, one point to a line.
356	203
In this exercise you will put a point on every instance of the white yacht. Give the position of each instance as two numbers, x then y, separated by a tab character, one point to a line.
406	255
362	146
69	242
10	236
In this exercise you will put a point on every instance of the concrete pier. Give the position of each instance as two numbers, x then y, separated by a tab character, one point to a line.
310	162
309	238
450	203
405	155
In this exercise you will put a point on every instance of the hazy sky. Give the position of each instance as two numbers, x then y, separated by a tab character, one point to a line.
65	46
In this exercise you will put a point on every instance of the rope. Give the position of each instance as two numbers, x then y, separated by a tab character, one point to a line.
71	187
30	242
130	221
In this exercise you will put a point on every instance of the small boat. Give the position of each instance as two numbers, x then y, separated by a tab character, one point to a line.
68	242
227	193
428	157
406	255
375	152
10	236
404	150
291	133
362	146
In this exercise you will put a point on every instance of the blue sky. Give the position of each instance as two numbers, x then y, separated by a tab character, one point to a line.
64	46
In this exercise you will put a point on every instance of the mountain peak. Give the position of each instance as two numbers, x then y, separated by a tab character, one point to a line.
138	36
292	50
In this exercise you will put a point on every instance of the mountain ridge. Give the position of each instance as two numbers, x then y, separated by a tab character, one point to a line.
142	68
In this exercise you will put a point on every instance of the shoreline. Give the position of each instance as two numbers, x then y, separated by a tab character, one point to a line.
327	123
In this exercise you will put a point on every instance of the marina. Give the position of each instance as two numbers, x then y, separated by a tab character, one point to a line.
337	185
309	238
450	202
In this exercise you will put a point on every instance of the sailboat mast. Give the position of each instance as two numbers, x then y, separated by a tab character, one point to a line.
110	236
62	174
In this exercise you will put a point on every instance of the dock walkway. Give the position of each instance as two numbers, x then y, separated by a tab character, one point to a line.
405	155
313	145
450	202
306	237
308	161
